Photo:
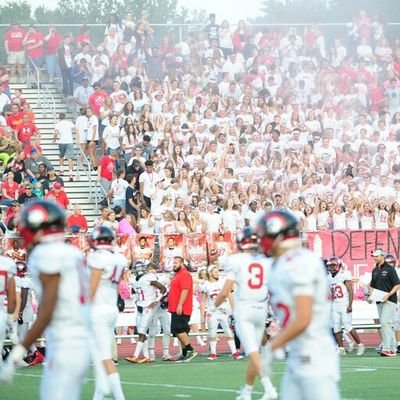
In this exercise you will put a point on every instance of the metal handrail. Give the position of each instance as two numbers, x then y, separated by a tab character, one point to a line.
48	102
87	169
37	73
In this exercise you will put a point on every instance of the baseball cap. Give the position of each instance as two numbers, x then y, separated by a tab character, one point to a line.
378	252
28	186
33	151
57	185
253	202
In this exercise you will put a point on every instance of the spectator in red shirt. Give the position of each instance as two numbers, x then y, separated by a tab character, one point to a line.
9	190
58	195
13	43
52	40
96	99
33	43
26	130
105	171
15	119
180	306
33	144
77	222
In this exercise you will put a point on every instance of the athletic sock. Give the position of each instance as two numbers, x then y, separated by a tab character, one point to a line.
165	344
115	385
138	349
213	346
146	349
266	382
232	347
189	347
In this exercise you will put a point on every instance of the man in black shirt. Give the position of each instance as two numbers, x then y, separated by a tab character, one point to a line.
28	196
384	278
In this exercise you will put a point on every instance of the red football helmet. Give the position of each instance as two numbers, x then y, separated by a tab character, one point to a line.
276	224
22	268
247	239
334	265
41	215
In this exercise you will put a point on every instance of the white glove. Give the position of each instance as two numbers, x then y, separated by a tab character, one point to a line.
12	329
13	360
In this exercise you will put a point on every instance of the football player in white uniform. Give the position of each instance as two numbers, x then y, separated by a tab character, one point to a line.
299	297
8	270
106	270
148	301
24	289
59	274
164	317
210	291
247	272
342	304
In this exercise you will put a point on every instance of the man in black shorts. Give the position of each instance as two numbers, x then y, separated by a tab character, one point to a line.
180	306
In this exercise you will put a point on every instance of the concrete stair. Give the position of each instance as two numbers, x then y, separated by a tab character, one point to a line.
78	191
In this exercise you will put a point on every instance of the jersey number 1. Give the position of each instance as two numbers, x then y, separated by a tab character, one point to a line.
256	273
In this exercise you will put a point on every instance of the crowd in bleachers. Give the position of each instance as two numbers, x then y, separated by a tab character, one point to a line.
204	134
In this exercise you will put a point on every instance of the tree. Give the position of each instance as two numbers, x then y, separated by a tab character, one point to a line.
16	11
305	11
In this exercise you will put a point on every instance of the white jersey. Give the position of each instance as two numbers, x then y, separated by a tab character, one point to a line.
113	266
25	283
300	273
339	292
146	293
71	314
212	289
250	272
8	269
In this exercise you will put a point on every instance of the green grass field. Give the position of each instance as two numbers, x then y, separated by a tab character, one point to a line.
363	378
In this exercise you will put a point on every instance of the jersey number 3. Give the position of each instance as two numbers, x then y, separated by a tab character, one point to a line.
256	273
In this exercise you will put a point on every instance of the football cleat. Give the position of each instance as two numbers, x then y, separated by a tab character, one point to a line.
167	357
212	357
350	348
341	351
388	353
360	349
144	360
38	359
133	360
244	395
190	355
237	356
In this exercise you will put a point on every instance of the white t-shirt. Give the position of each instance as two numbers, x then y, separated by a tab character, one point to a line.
93	125
111	135
65	130
118	187
149	181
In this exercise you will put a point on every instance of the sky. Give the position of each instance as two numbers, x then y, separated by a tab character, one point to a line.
232	10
